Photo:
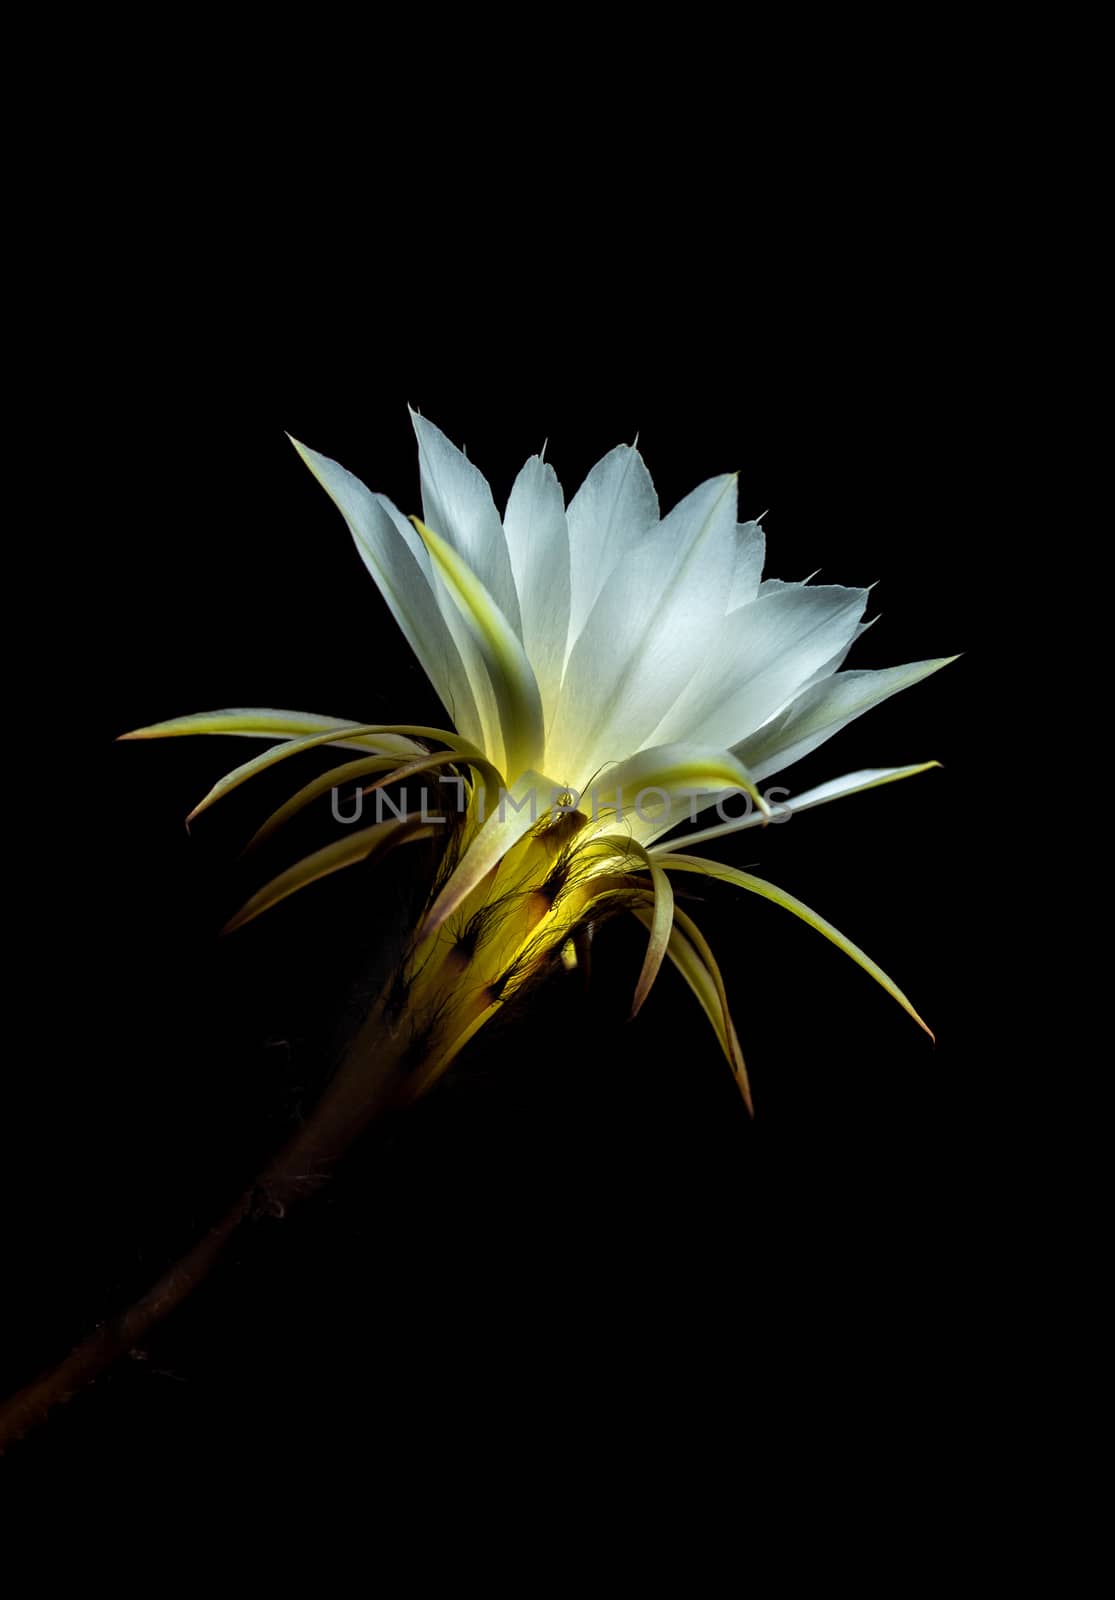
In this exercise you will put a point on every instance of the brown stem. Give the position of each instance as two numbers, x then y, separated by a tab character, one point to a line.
372	1078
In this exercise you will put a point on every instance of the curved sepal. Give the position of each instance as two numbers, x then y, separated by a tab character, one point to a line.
345	852
834	789
771	891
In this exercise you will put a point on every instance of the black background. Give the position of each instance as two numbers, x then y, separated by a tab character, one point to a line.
581	1234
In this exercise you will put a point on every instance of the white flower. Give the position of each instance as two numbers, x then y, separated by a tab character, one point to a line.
599	651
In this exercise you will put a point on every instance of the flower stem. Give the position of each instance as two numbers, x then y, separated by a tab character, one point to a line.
376	1074
448	988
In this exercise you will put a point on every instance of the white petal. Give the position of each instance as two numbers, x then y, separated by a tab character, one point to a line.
835	662
402	577
824	671
781	585
538	543
608	516
474	688
751	544
457	504
823	710
647	634
764	655
509	672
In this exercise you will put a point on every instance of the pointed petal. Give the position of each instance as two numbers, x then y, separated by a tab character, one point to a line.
457	504
510	673
831	666
764	655
473	692
751	549
610	513
341	853
771	891
822	710
834	789
825	671
648	633
538	543
784	585
400	577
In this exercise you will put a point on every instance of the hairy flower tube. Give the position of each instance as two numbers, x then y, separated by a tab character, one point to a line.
607	672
